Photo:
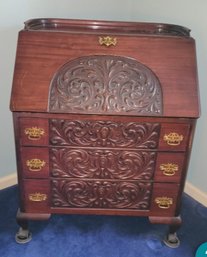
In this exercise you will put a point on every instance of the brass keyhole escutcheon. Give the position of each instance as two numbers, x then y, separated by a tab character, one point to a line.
107	41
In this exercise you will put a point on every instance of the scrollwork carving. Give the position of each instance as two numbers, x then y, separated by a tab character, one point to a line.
102	164
104	134
105	84
100	194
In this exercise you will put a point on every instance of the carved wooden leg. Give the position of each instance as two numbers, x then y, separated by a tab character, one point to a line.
171	238
23	235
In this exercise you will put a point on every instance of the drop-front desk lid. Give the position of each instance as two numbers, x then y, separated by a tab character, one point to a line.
105	67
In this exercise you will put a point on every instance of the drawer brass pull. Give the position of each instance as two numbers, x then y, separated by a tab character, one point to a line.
164	202
37	197
173	139
35	164
169	169
107	41
34	133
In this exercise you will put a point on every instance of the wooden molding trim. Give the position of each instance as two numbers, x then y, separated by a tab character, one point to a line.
196	193
8	181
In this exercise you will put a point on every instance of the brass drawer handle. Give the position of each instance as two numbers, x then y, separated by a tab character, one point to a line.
169	169
35	164
37	197
173	139
107	41
34	133
164	202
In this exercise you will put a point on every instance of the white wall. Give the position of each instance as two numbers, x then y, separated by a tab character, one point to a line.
12	15
189	13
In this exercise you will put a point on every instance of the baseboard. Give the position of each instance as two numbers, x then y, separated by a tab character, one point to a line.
8	181
196	193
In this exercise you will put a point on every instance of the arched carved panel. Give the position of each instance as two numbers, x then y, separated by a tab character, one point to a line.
100	194
105	84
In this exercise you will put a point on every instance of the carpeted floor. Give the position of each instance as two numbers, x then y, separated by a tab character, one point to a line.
99	236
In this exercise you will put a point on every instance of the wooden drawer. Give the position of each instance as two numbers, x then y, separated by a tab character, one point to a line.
96	194
174	137
36	195
33	131
35	162
169	166
102	163
104	133
164	199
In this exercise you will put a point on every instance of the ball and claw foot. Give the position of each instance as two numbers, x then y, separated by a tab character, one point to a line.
171	240
23	236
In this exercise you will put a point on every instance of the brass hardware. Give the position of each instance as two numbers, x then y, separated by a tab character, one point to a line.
35	164
34	133
164	202
107	41
169	169
173	139
37	197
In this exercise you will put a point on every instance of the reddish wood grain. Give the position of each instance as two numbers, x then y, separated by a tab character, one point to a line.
41	53
125	150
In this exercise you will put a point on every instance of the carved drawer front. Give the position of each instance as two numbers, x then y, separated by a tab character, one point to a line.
102	133
110	194
169	166
35	162
33	131
36	195
101	163
174	136
164	199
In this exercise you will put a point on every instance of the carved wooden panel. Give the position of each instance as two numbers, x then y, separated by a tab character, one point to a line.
100	194
105	84
104	134
102	164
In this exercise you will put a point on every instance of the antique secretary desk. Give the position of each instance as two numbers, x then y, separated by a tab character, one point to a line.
104	116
